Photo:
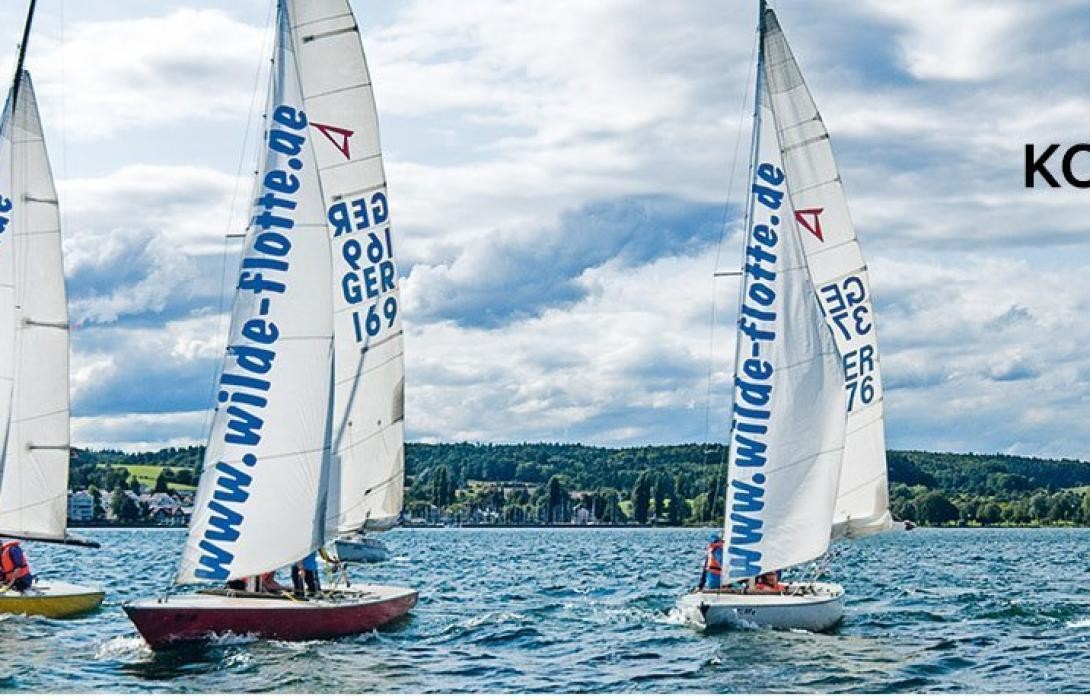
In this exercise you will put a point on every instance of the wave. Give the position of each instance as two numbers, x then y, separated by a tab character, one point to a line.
130	648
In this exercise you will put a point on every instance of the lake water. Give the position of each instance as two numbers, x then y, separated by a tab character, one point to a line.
566	611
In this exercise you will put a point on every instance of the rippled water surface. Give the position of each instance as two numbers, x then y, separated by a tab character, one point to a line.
565	610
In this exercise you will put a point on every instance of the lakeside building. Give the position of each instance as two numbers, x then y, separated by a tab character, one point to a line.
163	509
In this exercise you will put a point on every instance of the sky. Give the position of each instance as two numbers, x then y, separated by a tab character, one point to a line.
561	175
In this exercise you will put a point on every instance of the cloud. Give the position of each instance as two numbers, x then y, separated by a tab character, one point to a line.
155	369
523	272
140	431
142	72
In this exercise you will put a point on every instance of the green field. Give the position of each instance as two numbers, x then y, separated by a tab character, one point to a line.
147	474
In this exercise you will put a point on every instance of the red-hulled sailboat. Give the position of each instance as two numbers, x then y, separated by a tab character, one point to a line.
307	442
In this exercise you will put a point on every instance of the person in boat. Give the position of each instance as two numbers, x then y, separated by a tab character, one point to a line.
769	583
711	578
14	567
306	571
265	583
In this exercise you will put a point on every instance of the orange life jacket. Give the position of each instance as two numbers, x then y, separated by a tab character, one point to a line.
770	583
8	569
711	564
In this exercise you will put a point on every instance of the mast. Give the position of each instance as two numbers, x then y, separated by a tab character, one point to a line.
754	143
22	55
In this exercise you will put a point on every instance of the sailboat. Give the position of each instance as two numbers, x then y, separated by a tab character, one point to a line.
806	461
34	406
311	394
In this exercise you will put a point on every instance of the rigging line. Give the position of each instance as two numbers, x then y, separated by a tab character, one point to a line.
759	84
719	252
64	122
221	332
751	81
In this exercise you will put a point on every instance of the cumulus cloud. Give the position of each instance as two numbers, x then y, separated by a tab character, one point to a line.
140	72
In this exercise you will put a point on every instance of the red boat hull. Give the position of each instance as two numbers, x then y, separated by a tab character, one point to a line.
194	618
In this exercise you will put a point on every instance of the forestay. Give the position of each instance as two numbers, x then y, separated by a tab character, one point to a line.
261	500
787	435
33	331
368	465
840	277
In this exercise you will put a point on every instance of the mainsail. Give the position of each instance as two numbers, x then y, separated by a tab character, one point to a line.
33	330
262	496
840	277
368	464
787	433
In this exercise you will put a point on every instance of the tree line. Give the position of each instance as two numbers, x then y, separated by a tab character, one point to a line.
669	484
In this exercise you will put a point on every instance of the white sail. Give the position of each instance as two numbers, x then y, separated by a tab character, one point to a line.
840	277
261	499
368	466
33	331
787	434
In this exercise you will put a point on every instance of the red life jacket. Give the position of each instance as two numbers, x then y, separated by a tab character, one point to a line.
711	564
8	569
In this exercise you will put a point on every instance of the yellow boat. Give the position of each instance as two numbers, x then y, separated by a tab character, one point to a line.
51	599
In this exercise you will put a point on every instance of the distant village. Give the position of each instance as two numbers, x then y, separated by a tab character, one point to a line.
90	507
139	507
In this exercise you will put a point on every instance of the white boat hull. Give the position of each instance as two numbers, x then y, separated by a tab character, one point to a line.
813	607
362	550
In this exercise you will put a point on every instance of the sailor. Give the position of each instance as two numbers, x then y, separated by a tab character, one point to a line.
712	575
306	570
265	583
14	567
769	583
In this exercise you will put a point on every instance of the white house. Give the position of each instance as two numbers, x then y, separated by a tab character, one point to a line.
81	506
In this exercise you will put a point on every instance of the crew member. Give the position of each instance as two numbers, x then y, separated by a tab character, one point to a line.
770	583
712	576
14	567
306	570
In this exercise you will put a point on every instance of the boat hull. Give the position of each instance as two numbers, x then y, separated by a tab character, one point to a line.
816	607
344	611
51	599
362	550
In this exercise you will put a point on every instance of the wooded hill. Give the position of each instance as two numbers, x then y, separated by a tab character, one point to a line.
671	483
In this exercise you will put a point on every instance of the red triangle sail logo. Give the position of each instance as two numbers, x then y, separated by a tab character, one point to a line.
811	224
337	136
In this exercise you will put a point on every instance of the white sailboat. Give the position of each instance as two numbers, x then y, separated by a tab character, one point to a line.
806	462
307	440
34	400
